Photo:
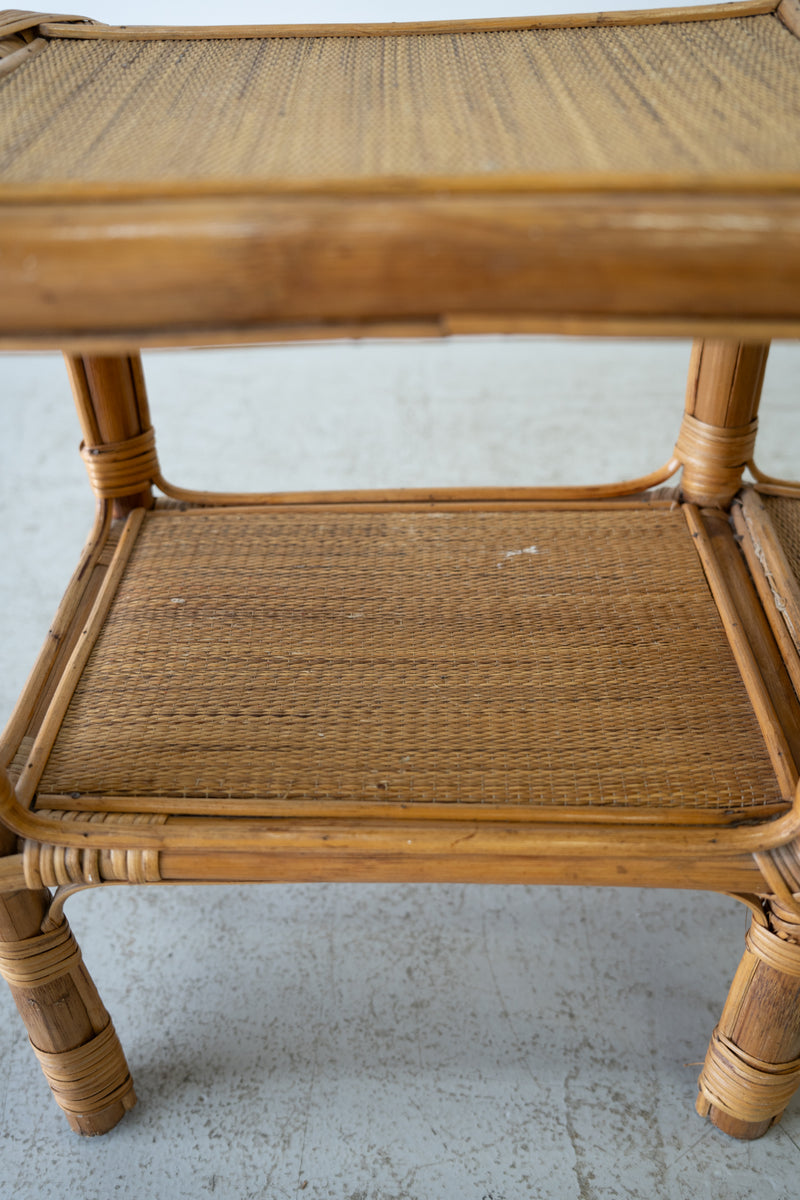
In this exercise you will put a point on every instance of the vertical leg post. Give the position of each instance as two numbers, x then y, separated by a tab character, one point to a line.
753	1063
752	1066
118	441
70	1030
719	426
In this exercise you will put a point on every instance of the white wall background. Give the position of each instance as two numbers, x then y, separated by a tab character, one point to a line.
276	12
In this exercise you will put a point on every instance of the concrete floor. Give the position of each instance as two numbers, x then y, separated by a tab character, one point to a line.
376	1042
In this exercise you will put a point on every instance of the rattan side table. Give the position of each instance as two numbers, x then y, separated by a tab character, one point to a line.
623	174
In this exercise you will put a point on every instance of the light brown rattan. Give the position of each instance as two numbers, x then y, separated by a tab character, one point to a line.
487	686
754	1088
686	98
769	1086
34	961
513	659
775	951
91	1077
715	457
785	516
770	528
123	468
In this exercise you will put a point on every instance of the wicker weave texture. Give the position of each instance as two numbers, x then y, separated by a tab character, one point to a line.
700	97
518	659
785	516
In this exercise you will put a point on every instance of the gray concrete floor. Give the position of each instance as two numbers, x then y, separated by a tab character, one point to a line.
370	1042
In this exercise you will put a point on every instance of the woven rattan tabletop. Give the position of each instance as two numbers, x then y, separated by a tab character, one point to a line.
472	102
504	174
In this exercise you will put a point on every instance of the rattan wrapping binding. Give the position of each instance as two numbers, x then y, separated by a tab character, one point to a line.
33	962
122	468
768	1086
684	97
91	1077
57	866
713	457
776	952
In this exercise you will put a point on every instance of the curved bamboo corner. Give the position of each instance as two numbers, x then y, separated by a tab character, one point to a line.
151	847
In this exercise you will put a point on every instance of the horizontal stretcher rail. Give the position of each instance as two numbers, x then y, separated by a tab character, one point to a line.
244	263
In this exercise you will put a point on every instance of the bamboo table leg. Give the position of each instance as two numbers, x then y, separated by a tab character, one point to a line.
119	449
70	1030
719	425
753	1063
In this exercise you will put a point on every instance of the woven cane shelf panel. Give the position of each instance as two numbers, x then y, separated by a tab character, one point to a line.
701	97
265	661
785	516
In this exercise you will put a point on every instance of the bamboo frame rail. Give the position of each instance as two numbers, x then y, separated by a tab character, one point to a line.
53	26
119	451
780	590
686	260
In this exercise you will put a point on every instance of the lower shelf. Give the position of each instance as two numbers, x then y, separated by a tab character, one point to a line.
438	664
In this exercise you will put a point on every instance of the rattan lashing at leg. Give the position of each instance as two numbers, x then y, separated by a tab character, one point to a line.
746	1088
38	960
752	1068
90	1078
122	468
713	458
775	946
56	997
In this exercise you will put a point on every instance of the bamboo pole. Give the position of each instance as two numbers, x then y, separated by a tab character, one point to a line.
763	702
719	425
753	1063
740	608
112	408
69	1028
773	579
